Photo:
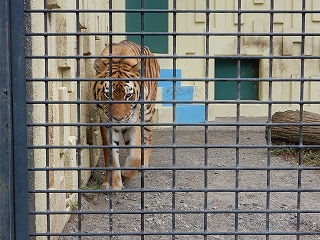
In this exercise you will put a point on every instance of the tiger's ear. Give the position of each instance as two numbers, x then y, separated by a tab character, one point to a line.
136	68
99	65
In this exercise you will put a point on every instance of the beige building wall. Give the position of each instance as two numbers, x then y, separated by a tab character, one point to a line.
284	69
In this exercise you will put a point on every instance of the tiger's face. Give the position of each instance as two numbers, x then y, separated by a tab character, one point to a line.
120	96
124	111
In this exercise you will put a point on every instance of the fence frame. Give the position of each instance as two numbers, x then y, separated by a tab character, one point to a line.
6	167
14	219
14	172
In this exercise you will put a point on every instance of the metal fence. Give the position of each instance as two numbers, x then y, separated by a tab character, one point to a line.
215	170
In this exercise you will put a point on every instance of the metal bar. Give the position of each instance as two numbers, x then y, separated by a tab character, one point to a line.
19	122
110	113
173	212
269	142
302	73
174	109
180	233
6	166
267	124
179	168
142	119
42	34
131	234
181	101
178	11
78	110
206	119
47	109
237	161
182	79
180	190
180	146
182	56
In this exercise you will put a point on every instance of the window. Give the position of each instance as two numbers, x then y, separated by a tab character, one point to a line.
227	68
153	23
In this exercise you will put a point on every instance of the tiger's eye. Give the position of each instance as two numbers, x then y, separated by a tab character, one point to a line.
129	95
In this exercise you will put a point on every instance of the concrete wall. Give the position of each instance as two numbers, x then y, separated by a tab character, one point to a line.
249	46
63	113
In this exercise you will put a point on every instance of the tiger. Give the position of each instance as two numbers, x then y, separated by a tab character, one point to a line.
129	110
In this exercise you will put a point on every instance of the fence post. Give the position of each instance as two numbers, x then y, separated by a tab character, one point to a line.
19	119
6	167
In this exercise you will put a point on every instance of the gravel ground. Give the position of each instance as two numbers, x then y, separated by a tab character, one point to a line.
221	201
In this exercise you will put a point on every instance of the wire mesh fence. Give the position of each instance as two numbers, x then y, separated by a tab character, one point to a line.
216	170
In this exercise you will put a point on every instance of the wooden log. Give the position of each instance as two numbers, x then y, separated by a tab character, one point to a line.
290	134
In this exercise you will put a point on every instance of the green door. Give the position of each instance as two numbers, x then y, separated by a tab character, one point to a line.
153	23
227	68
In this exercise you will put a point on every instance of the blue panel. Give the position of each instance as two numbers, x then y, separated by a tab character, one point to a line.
182	93
185	113
166	74
190	113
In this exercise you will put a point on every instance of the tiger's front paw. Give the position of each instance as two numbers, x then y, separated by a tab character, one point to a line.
127	175
115	185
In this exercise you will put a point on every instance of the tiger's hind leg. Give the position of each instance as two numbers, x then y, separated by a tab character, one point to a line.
132	137
116	174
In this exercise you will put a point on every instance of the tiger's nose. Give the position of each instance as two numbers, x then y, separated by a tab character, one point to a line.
117	118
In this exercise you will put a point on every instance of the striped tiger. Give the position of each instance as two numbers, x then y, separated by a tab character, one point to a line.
129	110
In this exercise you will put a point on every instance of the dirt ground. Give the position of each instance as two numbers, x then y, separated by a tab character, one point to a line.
221	201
